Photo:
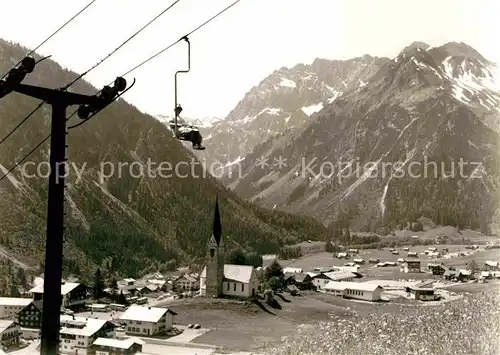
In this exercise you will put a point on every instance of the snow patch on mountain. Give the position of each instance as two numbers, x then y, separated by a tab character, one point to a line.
309	110
288	83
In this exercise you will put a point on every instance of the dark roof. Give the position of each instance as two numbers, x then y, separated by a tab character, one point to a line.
217	226
38	304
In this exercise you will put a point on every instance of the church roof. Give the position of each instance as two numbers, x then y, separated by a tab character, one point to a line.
217	226
238	273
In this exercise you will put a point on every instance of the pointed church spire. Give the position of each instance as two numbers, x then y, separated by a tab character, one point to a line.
217	226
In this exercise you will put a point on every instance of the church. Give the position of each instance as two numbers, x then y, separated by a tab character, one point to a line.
219	279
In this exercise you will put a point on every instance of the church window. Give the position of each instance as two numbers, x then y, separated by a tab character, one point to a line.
228	286
234	289
212	253
242	287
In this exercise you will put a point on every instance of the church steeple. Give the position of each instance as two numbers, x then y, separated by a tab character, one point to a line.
215	259
217	225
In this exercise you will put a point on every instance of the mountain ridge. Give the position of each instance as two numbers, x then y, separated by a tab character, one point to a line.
132	218
420	103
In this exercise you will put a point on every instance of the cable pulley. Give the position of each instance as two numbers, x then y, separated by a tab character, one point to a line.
16	75
104	98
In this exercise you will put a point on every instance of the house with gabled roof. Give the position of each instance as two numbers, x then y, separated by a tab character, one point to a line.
219	279
77	334
186	282
73	294
356	290
147	321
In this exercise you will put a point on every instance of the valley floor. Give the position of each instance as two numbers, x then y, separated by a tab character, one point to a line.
248	327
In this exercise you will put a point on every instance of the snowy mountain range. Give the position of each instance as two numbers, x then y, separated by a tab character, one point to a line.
284	101
436	105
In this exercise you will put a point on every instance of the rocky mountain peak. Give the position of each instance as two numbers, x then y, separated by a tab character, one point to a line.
440	104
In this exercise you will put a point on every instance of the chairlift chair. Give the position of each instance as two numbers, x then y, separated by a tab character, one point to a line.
185	132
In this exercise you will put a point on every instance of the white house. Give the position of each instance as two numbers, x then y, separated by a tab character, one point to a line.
293	270
107	346
353	269
321	280
356	290
147	321
77	334
11	306
9	334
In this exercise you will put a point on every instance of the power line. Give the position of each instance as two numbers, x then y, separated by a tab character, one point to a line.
93	67
128	72
25	157
171	45
180	39
121	45
53	34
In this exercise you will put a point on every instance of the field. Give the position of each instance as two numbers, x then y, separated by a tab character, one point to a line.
308	263
248	327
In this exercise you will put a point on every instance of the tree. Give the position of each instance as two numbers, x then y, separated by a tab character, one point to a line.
472	266
21	277
113	284
237	257
254	259
274	283
275	270
14	292
98	288
122	299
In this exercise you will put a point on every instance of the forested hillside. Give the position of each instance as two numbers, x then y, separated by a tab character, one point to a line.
130	221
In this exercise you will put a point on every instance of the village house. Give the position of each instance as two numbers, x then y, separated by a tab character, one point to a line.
301	281
73	294
355	290
217	278
147	321
292	270
458	275
11	306
373	261
77	334
412	254
9	334
185	283
359	261
31	315
437	269
420	293
490	266
412	266
319	281
160	284
354	269
107	346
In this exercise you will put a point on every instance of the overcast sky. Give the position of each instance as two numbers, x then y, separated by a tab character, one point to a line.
240	48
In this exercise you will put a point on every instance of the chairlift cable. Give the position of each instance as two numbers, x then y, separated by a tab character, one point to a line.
121	45
128	72
91	68
173	44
